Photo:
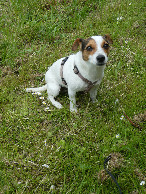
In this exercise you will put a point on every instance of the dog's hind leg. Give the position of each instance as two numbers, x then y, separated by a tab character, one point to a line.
54	102
53	90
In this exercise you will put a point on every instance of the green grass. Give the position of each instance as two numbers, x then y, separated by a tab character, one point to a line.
33	35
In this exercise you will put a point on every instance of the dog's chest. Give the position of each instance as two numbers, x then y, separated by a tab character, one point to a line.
84	80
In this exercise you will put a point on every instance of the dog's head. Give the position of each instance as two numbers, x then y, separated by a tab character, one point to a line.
94	50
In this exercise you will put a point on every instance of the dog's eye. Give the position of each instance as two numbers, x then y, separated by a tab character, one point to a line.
89	48
106	46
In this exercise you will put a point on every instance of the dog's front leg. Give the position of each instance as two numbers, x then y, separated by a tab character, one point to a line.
72	98
93	93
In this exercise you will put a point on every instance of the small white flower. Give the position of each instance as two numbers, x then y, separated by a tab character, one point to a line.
130	3
119	18
45	165
117	136
116	101
38	93
44	102
122	117
41	97
126	41
46	109
45	142
52	188
142	183
19	183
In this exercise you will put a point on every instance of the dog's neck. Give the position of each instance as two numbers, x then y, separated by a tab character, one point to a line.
90	71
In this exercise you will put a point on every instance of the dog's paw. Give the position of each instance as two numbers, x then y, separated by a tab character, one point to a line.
73	110
58	105
94	100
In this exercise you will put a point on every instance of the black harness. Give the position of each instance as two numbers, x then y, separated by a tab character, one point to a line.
61	70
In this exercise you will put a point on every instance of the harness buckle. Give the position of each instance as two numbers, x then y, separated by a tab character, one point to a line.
63	81
76	71
64	61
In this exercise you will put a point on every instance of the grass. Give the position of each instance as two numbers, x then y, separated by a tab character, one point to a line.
73	147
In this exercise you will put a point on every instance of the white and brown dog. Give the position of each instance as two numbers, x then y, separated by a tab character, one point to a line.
78	72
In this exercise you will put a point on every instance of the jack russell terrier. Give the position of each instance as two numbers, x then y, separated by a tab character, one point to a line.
82	71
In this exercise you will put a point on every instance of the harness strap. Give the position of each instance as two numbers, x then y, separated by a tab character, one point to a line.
90	84
61	70
76	71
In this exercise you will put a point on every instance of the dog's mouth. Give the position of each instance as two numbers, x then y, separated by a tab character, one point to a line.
100	64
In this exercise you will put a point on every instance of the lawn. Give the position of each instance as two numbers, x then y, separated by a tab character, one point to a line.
46	150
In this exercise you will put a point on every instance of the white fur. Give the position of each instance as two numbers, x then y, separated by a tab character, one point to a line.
89	69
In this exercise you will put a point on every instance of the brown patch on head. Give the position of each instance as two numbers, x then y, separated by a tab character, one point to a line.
88	47
79	42
76	43
105	44
108	39
105	47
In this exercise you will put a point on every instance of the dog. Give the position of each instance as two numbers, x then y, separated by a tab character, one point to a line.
82	71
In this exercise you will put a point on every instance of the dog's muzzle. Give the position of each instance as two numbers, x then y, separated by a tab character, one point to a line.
100	60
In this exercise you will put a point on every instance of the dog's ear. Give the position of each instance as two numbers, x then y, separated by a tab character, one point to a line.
108	39
77	42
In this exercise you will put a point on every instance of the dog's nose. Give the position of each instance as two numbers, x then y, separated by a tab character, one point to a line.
100	58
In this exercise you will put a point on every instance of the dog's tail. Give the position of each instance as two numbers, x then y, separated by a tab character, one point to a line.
40	89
